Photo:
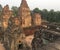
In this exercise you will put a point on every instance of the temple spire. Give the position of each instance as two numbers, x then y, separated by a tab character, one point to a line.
24	3
24	14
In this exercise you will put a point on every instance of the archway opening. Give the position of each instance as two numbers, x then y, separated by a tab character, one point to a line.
20	45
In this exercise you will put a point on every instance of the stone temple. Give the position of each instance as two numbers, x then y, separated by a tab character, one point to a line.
24	16
24	19
14	29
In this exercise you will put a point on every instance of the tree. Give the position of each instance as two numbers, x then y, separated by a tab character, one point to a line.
45	14
51	16
0	7
57	16
36	10
15	10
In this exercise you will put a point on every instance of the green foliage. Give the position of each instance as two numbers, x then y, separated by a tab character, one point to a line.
15	10
0	10
36	10
44	13
51	16
0	7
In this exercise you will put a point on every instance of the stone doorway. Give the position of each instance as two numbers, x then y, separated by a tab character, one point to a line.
20	45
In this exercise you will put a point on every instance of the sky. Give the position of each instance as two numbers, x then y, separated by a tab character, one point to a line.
41	4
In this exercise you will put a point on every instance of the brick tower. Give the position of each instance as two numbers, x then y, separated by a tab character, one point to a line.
24	14
6	14
37	19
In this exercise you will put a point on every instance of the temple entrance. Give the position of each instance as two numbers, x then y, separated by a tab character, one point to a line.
20	46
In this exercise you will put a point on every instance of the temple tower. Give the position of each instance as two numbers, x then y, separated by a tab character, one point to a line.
24	14
6	14
37	19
